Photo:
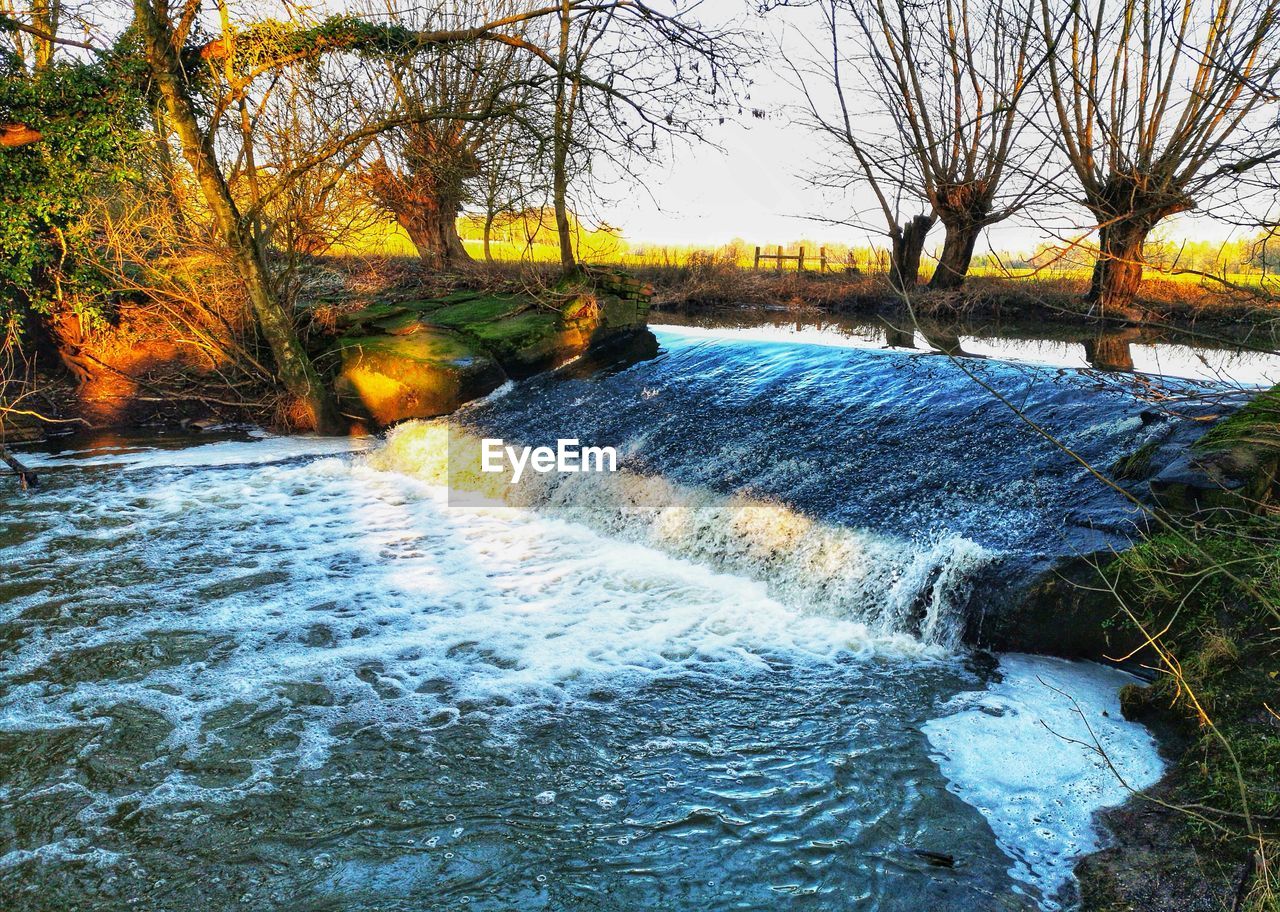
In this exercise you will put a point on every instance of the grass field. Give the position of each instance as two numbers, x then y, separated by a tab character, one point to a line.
606	248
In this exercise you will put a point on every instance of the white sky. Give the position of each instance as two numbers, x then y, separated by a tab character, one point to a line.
750	186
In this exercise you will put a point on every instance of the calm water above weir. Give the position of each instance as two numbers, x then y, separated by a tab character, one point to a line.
282	673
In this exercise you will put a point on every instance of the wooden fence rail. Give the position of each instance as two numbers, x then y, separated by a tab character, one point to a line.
798	258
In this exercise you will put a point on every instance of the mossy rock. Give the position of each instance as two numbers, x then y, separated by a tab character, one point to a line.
420	358
423	374
525	343
367	316
1243	450
480	309
1137	465
401	324
1067	611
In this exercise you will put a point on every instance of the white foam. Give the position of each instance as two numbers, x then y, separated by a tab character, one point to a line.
423	613
265	449
1039	754
893	585
504	610
77	850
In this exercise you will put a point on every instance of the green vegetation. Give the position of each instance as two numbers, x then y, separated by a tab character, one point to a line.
1256	427
479	310
1135	466
1207	596
86	115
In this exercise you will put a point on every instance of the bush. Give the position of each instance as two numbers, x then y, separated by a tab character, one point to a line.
86	115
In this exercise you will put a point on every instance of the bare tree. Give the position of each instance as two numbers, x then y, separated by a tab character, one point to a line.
1156	105
947	82
458	100
247	55
512	177
162	40
627	79
955	75
878	159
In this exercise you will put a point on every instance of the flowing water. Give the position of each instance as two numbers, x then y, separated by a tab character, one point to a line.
286	673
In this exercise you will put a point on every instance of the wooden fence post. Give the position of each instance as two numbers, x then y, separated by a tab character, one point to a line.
777	263
822	259
757	266
800	261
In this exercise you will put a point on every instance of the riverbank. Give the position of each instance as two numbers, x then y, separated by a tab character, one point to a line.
1207	592
395	341
156	365
1166	302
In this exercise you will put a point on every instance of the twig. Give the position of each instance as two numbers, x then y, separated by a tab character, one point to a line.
26	477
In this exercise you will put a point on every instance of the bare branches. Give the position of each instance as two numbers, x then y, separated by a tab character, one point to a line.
1148	96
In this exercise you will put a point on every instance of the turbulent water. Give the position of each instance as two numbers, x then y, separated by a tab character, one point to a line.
286	673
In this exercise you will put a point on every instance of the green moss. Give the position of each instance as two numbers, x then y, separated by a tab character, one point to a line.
519	329
478	310
1137	465
368	315
460	296
423	347
401	324
1256	425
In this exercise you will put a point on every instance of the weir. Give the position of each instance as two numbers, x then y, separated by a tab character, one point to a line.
858	481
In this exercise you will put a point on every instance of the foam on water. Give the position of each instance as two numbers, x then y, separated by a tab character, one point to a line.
220	453
376	589
1039	754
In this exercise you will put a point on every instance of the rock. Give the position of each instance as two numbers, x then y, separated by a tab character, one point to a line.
423	358
421	374
1066	612
1236	464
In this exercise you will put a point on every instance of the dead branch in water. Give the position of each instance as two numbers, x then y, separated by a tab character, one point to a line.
27	478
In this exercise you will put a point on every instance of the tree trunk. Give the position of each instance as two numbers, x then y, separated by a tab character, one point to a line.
560	190
488	234
908	245
168	170
957	253
432	225
561	130
295	369
45	15
1117	273
26	477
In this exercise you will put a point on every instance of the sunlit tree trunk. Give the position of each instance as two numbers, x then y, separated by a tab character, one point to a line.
433	230
488	235
296	372
168	169
425	199
1117	273
561	130
1178	113
908	246
46	16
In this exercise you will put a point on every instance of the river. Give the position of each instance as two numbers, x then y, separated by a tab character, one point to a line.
256	672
